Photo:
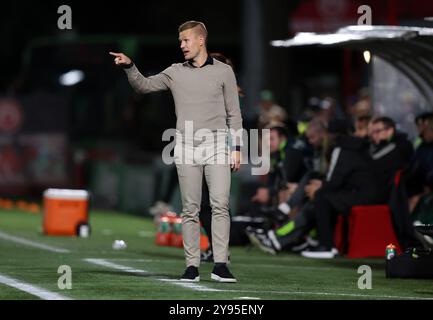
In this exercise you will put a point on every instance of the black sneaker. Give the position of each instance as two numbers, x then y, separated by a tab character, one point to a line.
305	245
190	275
261	241
221	273
300	246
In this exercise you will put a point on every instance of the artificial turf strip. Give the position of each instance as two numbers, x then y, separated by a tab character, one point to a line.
8	293
285	276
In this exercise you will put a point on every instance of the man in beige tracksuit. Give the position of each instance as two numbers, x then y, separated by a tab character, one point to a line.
206	100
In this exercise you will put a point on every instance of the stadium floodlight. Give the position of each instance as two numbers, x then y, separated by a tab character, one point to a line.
71	78
367	56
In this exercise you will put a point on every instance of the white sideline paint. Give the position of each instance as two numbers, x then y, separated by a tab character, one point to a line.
189	285
194	286
29	288
265	265
108	264
31	243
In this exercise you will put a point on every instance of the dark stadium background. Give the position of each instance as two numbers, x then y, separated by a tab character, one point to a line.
97	131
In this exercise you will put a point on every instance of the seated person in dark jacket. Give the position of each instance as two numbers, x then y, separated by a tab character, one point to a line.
287	165
390	151
316	165
292	233
420	169
348	182
421	121
287	159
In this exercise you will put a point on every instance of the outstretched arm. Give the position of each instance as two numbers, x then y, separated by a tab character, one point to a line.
138	82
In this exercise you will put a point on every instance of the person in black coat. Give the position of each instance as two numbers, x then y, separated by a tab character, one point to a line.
349	182
287	165
287	159
389	151
420	170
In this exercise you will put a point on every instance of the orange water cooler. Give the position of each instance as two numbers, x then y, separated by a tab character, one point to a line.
66	212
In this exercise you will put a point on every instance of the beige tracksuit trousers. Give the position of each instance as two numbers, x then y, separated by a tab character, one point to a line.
211	158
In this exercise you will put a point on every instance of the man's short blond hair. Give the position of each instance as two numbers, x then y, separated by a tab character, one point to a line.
199	27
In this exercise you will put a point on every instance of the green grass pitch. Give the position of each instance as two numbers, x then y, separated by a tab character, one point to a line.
146	271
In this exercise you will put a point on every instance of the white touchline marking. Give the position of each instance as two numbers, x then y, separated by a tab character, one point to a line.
31	243
189	285
108	264
248	298
291	266
33	290
198	287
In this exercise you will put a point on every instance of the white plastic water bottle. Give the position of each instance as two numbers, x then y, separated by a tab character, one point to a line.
119	245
